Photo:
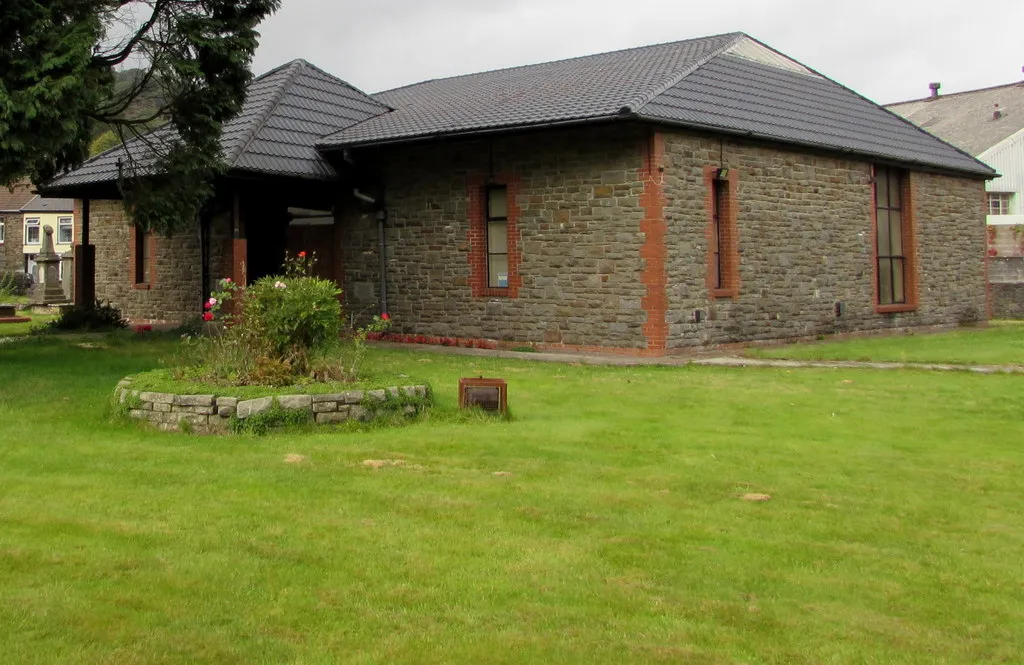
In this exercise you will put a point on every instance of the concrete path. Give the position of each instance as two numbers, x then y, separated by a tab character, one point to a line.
703	360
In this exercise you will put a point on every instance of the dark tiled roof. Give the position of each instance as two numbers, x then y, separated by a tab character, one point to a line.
742	96
40	204
967	119
728	83
286	111
591	87
12	200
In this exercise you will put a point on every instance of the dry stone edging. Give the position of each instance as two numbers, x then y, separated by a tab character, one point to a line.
212	414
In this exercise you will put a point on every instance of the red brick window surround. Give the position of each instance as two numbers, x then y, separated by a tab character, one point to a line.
894	242
722	234
143	245
494	248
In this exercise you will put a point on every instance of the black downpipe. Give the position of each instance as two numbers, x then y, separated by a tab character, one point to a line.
382	217
204	255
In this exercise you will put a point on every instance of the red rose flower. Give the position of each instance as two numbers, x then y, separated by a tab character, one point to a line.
207	316
302	255
385	317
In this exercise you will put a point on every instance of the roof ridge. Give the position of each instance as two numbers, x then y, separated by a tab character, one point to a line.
551	62
261	120
635	105
1017	84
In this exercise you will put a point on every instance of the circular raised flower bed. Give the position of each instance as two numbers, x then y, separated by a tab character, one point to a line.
220	414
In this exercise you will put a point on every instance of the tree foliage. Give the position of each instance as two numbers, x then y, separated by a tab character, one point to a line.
57	80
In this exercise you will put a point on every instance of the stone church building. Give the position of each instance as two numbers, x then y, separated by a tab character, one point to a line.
645	201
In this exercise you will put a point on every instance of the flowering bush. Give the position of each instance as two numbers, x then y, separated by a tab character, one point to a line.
271	332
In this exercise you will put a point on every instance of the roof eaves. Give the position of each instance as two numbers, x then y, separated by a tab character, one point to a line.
477	131
638	103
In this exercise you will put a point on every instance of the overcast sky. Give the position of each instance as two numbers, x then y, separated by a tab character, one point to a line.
887	51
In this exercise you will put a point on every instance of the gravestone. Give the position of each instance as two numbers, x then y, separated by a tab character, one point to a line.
49	290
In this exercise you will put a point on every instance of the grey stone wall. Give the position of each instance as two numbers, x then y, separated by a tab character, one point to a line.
805	241
12	255
212	414
176	293
1008	300
580	239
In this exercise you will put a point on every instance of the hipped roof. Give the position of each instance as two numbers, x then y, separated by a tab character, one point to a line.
729	84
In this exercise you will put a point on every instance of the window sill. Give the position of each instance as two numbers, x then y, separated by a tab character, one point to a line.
496	292
717	294
141	287
895	309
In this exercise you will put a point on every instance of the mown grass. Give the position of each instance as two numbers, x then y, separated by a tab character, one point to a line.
895	534
1001	343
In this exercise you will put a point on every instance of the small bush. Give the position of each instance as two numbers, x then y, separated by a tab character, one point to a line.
14	284
102	317
293	316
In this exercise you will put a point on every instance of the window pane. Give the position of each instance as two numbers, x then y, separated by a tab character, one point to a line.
898	285
894	190
498	271
896	233
881	188
64	231
497	202
883	232
497	237
885	282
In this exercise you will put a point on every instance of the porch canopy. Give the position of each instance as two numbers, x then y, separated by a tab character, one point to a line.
272	165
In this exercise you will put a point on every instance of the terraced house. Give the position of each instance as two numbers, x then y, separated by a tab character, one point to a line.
644	201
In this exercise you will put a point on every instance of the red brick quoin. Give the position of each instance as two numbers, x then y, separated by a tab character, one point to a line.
654	251
476	188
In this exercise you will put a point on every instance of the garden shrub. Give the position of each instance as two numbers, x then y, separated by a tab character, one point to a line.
101	317
279	330
14	284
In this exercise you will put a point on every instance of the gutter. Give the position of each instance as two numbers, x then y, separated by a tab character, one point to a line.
627	113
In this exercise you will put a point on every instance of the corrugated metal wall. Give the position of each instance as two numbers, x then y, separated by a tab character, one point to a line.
1008	158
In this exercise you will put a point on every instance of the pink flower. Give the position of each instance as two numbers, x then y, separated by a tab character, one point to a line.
207	316
227	280
385	317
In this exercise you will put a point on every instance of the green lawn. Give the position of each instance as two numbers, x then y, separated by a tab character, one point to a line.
1001	343
896	532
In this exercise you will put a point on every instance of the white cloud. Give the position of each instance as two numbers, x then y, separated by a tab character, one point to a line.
887	51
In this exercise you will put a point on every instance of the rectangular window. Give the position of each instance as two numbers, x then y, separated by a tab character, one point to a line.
143	259
65	230
722	233
891	238
719	199
999	203
32	231
497	237
3	228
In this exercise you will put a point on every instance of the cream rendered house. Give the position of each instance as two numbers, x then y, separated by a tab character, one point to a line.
36	216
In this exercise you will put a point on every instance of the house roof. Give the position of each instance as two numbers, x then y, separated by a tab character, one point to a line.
12	200
727	83
40	204
286	111
967	119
